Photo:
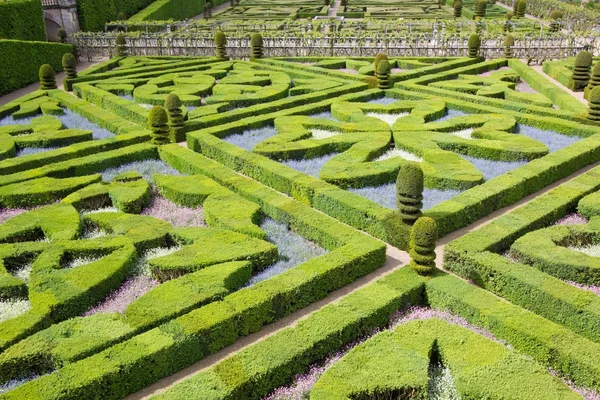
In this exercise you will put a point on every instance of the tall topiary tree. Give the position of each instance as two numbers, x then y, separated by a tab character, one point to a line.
383	74
121	45
208	10
378	59
594	104
47	77
158	120
256	44
409	192
594	81
422	245
515	6
508	26
474	45
61	34
457	9
521	8
509	42
69	64
581	71
175	113
221	43
555	16
480	9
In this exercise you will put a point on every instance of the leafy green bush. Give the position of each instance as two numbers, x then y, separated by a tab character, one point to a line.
383	75
581	71
474	44
221	43
457	8
409	192
22	20
158	120
256	43
47	77
422	245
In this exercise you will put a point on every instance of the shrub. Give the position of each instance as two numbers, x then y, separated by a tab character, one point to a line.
22	20
480	9
474	44
208	10
409	192
422	245
176	120
457	9
378	58
509	42
594	104
47	77
594	81
508	26
581	71
121	16
69	64
121	45
555	16
61	34
158	124
256	43
521	7
221	43
383	75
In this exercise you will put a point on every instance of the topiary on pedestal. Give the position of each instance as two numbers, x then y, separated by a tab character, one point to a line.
221	43
509	42
47	77
581	71
256	44
555	16
61	34
515	6
594	104
594	81
383	74
508	26
474	44
208	10
175	113
121	45
409	192
378	58
69	64
422	245
521	8
158	124
480	9
457	9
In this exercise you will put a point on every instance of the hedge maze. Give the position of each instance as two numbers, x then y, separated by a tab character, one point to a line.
169	206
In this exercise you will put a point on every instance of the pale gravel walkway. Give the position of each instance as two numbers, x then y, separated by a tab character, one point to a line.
83	65
396	259
577	95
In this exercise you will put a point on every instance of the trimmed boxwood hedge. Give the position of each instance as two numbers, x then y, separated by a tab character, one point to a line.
20	61
21	20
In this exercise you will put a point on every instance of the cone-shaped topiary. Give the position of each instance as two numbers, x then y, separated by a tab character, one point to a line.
474	44
121	44
555	16
594	81
256	43
509	42
61	34
480	9
508	26
521	8
158	124
594	104
581	71
457	9
69	64
515	6
422	245
378	58
383	74
409	192
47	77
173	106
221	43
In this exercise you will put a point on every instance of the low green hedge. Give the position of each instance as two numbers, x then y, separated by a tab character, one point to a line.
21	20
173	9
21	60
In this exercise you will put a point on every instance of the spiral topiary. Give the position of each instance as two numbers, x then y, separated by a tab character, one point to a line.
515	6
480	9
256	43
594	104
474	44
457	9
47	77
383	74
594	81
509	42
173	106
208	10
158	123
422	245
121	45
581	71
221	43
521	8
378	58
409	192
508	26
69	64
61	34
556	16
